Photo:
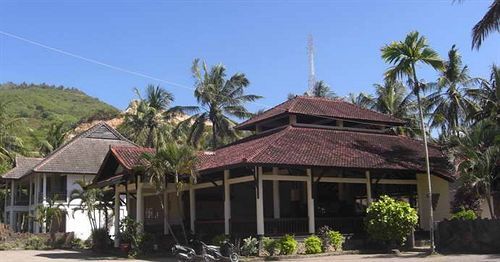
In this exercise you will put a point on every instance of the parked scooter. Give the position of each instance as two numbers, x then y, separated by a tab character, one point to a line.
199	251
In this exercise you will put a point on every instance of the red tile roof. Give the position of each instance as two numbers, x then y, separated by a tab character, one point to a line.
326	148
130	156
315	106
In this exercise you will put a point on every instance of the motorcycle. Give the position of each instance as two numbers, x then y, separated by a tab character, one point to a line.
199	251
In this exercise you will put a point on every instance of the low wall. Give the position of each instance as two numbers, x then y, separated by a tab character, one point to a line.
461	236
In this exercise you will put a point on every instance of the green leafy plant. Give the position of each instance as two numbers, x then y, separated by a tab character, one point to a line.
250	246
313	245
271	246
390	220
464	214
288	245
336	239
218	240
35	243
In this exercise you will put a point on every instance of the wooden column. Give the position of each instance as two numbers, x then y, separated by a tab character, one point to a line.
30	198
12	199
117	217
227	203
310	202
139	204
276	195
368	187
192	205
37	200
165	213
259	202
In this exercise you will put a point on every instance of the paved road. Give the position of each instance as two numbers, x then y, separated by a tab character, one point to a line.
73	256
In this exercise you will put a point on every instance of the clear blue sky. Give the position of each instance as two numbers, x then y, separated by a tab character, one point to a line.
264	39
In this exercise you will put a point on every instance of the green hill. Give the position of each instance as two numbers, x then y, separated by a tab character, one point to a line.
40	105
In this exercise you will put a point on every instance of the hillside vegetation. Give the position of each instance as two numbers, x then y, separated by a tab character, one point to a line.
40	105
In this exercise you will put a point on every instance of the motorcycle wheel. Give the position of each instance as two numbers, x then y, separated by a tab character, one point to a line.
234	257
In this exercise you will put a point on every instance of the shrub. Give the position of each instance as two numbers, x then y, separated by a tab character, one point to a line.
100	239
313	245
390	221
77	243
272	246
218	240
288	245
250	246
464	214
35	243
335	239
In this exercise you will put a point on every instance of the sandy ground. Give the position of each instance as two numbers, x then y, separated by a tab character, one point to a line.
66	255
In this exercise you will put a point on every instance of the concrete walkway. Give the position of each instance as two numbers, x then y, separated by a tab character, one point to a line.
73	256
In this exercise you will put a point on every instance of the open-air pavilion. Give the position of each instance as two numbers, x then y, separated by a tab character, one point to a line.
310	162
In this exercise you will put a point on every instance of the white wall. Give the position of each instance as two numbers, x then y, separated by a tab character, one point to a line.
442	210
79	222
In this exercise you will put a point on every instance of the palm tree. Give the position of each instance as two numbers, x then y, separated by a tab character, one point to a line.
391	98
322	89
488	24
146	118
51	215
9	142
405	56
488	97
92	202
219	99
475	156
56	136
449	104
363	100
169	163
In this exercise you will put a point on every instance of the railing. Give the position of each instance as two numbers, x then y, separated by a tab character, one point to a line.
280	226
56	196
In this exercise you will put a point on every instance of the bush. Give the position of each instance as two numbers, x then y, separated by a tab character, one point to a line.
100	239
390	221
35	243
250	246
464	214
77	243
288	245
218	240
313	245
271	246
336	240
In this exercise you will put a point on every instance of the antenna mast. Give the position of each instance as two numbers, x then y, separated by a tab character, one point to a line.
312	74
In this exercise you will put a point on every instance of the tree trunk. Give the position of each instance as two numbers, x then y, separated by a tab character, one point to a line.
490	206
162	203
427	164
214	136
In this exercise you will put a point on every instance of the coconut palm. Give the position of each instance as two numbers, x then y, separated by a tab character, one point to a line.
363	100
219	99
475	157
56	136
449	104
405	56
322	89
146	118
169	163
391	98
487	96
9	142
488	24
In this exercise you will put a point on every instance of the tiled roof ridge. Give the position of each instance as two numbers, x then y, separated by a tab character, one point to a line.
252	137
131	148
84	134
339	100
274	107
